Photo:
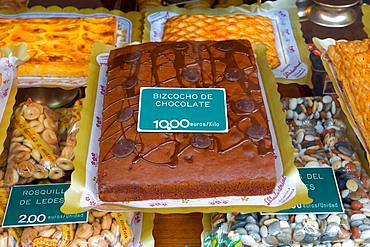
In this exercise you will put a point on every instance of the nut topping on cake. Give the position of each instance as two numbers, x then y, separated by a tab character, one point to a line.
191	74
123	148
256	132
180	46
130	83
234	74
245	106
125	114
132	57
201	141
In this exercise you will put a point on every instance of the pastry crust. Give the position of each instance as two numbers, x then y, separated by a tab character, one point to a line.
351	62
201	27
57	46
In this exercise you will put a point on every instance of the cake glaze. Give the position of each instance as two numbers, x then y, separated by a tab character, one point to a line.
137	166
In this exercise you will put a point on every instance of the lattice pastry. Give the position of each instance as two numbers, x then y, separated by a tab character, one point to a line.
201	27
57	46
351	62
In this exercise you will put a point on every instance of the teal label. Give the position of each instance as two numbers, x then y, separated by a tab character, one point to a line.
322	188
31	205
182	110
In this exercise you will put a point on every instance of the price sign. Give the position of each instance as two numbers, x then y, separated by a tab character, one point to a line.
31	205
322	188
182	110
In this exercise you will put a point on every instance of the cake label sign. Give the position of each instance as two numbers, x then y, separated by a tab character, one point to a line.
322	188
32	205
182	110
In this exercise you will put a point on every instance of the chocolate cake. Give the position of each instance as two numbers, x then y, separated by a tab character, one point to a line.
138	166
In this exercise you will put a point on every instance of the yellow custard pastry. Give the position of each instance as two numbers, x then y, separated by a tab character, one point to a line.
57	46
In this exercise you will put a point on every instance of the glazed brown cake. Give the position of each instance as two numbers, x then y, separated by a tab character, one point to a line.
139	166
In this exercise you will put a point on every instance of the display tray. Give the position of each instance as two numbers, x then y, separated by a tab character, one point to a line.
338	86
91	193
185	229
87	163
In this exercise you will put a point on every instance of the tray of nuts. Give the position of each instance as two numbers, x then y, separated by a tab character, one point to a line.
321	138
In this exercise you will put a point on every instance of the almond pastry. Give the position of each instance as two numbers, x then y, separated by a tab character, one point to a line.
201	27
351	64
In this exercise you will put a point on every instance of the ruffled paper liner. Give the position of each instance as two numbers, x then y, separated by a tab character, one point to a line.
74	82
74	195
354	133
366	18
16	55
283	5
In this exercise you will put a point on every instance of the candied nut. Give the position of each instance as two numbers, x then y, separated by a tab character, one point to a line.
68	152
98	214
42	228
94	240
21	156
49	136
84	231
97	241
25	169
109	237
106	222
97	228
37	126
32	111
11	176
59	227
91	218
57	235
56	173
28	235
40	172
114	227
79	243
65	164
4	239
47	233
